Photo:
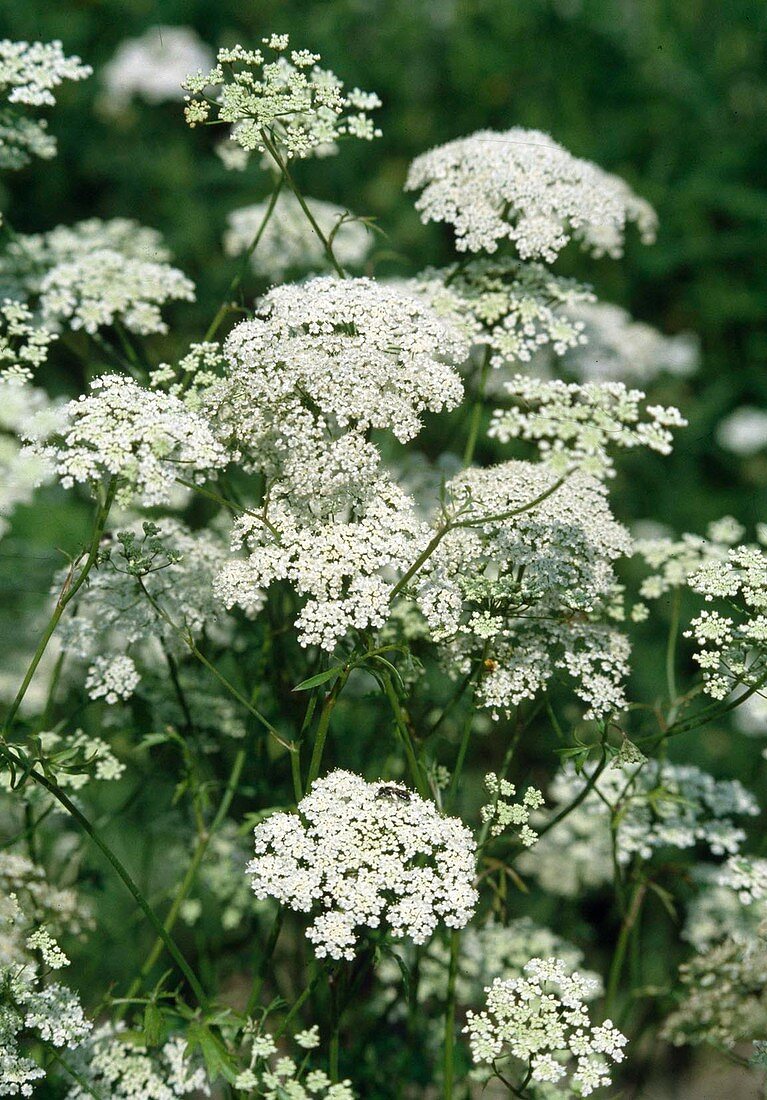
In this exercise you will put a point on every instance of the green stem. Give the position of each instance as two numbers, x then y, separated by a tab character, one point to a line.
587	788
476	521
327	246
234	286
673	634
263	965
174	951
476	412
449	1041
197	857
67	594
298	1004
417	776
616	966
322	728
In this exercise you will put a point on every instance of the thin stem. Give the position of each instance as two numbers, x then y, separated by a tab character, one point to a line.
584	793
616	966
449	1040
263	965
673	634
53	788
189	641
68	592
476	521
327	246
322	728
298	1004
402	727
476	412
197	857
234	286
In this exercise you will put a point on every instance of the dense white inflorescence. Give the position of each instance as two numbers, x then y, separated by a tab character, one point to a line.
540	1021
93	274
122	1069
574	426
33	1009
732	644
154	66
500	813
522	186
673	561
146	573
655	806
342	567
360	856
143	438
286	103
527	588
509	309
367	356
104	287
288	243
23	343
30	73
320	365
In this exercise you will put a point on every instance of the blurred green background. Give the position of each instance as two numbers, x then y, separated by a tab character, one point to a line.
670	94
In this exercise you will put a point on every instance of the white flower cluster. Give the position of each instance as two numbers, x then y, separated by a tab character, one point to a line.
530	587
111	1066
144	438
32	1009
723	997
743	432
500	813
510	308
288	102
153	66
23	343
176	567
320	365
651	807
540	1021
276	1077
360	855
731	904
104	287
616	348
289	243
30	72
484	953
674	561
58	909
366	355
522	186
575	425
732	646
94	274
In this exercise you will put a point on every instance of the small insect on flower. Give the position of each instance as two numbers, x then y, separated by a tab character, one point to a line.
394	790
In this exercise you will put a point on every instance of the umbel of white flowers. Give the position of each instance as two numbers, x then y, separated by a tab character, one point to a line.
359	856
522	186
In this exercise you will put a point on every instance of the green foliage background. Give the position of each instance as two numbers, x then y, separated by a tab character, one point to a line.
671	95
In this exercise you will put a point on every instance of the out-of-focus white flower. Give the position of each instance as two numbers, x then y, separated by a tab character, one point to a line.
154	66
744	431
289	243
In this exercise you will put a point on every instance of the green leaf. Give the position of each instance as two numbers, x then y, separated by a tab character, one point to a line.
154	1026
321	678
218	1060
